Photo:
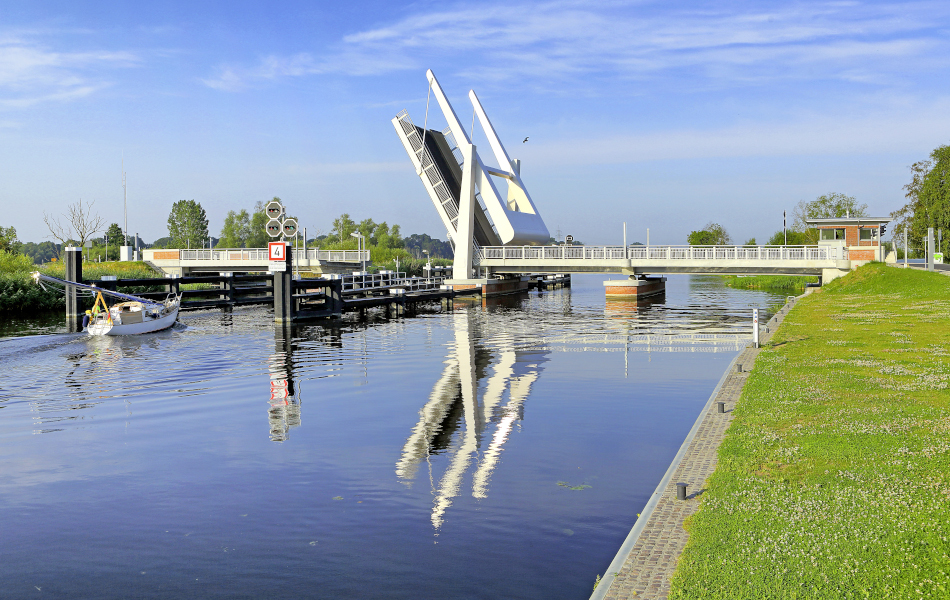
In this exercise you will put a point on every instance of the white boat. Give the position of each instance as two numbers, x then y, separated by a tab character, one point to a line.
134	316
130	318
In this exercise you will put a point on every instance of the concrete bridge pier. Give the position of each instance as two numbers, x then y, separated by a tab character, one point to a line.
634	287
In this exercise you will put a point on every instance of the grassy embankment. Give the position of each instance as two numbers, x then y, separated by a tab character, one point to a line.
834	478
18	293
784	283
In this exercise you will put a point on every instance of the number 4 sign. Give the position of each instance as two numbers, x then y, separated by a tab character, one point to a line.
276	250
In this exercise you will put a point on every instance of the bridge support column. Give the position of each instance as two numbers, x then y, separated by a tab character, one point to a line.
72	257
832	274
284	290
465	233
635	289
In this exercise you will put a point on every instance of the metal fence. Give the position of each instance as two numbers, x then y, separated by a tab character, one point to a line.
260	255
369	282
663	253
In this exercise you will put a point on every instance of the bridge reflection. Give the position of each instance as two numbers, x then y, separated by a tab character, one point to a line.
471	412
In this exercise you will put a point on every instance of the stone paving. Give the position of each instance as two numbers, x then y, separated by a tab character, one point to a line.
647	570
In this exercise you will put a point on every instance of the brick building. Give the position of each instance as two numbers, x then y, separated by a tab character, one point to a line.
860	236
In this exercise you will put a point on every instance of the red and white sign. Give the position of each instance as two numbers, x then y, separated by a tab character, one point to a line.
277	250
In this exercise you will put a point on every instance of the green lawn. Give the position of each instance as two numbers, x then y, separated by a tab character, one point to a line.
834	478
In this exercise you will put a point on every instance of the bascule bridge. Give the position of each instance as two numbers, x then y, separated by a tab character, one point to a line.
499	236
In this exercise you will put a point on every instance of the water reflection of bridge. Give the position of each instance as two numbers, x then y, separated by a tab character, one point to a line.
469	422
480	396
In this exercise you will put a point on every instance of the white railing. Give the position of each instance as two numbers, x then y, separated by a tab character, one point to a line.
663	253
260	255
367	282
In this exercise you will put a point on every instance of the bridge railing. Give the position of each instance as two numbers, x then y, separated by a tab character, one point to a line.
261	255
663	252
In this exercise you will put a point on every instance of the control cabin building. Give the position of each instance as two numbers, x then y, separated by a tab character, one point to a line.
860	236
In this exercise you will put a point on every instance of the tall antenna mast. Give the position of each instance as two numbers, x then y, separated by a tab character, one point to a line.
125	206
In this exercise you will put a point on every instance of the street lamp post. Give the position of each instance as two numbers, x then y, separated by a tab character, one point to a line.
359	246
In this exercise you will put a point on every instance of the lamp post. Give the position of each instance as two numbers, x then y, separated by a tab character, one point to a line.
359	245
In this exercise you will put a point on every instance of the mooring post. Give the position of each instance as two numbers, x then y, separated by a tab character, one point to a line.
722	407
335	292
681	491
284	289
72	257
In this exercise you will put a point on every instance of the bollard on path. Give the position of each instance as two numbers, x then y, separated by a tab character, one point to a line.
722	407
681	491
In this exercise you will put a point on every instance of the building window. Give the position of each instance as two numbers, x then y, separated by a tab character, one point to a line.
832	234
866	234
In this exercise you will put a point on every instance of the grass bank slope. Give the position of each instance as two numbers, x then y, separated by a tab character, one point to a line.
834	478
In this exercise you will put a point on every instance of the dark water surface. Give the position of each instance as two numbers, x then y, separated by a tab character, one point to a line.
426	457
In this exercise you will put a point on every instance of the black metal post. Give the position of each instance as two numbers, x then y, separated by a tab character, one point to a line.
284	290
72	257
334	291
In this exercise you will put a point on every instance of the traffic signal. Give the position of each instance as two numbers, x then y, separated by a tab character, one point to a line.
883	229
273	228
290	227
274	209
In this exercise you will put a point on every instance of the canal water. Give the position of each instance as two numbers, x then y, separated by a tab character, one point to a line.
489	451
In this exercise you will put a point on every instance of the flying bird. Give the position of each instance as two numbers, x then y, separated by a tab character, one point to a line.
525	140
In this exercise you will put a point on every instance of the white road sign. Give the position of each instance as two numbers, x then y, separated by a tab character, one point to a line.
276	250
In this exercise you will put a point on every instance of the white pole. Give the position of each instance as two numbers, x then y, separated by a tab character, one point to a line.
905	245
755	328
625	239
125	205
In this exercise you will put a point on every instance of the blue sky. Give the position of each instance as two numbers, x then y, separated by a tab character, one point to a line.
663	115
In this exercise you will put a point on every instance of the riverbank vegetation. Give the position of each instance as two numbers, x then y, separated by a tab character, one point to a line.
20	295
834	478
781	283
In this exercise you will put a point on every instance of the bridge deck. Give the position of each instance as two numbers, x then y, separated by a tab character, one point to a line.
740	260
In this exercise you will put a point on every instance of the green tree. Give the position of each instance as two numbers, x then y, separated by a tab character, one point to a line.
368	228
8	239
928	196
188	224
257	236
828	206
39	253
236	230
713	234
795	238
343	226
114	235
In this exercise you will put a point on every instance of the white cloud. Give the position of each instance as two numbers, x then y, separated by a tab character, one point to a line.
32	74
901	129
559	41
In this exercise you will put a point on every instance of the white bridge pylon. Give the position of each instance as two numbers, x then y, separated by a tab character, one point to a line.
461	187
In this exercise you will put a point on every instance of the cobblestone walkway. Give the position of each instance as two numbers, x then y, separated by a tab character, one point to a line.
647	570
